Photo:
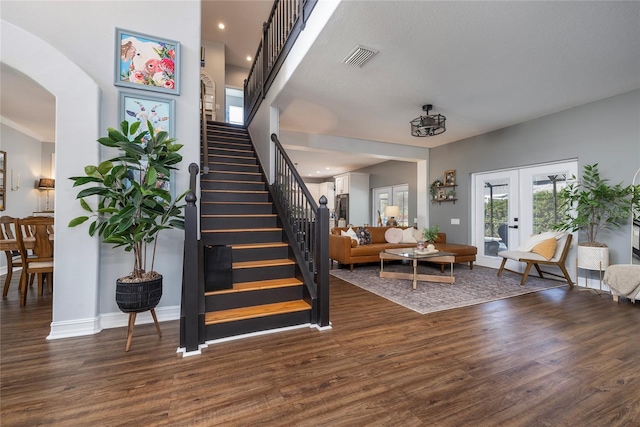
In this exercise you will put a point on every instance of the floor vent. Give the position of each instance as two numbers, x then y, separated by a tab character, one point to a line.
359	56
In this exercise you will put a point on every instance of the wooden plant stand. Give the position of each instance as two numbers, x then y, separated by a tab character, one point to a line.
132	322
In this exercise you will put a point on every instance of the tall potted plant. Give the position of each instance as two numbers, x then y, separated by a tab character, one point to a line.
134	204
592	205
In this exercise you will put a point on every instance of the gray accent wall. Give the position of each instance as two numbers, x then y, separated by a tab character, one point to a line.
606	132
391	173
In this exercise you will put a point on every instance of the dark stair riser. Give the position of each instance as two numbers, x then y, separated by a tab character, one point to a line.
234	145
223	128
235	237
232	167
221	223
263	273
224	137
257	254
224	330
231	175
235	208
233	185
223	196
249	298
216	150
239	160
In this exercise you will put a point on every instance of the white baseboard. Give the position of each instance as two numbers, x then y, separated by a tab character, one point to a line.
74	328
119	319
90	326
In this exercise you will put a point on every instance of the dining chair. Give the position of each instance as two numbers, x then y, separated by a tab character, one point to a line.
41	263
13	255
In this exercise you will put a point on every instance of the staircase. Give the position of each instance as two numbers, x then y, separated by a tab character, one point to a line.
236	211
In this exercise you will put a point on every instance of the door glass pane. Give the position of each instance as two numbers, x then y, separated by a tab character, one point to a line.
381	204
496	216
545	201
401	199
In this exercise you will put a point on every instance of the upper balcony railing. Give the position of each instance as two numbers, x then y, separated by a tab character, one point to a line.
279	33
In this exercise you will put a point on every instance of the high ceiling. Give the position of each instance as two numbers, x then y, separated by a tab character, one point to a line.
484	65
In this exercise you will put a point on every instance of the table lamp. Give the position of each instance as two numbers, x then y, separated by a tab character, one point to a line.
47	184
391	212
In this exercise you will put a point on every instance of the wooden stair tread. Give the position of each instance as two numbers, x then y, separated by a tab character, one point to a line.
271	215
231	181
234	150
258	245
235	172
242	230
235	314
236	191
239	203
230	156
258	285
262	263
232	164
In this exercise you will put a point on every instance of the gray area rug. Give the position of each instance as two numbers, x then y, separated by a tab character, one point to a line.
471	287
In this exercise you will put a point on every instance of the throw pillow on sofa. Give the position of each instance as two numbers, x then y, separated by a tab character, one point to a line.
407	235
364	236
393	235
351	234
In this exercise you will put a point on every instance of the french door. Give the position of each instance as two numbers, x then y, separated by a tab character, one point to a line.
511	205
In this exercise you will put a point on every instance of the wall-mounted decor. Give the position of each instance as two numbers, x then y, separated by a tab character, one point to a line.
147	62
159	111
450	177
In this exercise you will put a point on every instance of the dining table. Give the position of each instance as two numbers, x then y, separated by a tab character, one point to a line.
12	244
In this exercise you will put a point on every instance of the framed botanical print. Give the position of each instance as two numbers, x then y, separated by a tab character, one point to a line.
147	62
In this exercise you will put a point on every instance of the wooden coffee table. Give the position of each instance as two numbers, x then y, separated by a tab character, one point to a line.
410	254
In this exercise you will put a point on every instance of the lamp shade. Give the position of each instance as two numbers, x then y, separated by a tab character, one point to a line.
390	211
46	184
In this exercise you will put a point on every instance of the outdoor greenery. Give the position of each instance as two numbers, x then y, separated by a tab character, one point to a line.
592	205
134	200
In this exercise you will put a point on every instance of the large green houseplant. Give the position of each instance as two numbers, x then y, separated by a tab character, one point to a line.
134	202
591	205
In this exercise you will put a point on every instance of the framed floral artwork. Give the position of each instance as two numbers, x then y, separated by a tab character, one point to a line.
450	177
159	111
147	62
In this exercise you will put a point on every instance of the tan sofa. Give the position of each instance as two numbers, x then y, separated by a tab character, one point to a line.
343	251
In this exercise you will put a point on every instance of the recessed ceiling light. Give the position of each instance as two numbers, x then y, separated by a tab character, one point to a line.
327	168
249	58
221	26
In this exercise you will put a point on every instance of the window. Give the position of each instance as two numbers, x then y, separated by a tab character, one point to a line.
235	106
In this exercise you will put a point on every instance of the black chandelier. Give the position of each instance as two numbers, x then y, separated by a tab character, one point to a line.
428	125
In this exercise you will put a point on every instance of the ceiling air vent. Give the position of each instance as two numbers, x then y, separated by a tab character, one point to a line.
359	56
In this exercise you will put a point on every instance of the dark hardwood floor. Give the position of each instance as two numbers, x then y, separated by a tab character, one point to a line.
553	358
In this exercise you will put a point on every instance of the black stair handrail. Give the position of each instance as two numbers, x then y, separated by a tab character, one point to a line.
192	332
203	124
286	20
310	224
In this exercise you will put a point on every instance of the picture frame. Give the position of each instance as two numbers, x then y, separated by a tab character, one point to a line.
147	62
442	194
159	111
450	177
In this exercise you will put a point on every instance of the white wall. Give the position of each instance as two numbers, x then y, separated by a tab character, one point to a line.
215	67
78	47
235	76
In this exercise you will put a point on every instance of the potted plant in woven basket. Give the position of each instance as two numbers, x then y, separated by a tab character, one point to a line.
134	204
591	205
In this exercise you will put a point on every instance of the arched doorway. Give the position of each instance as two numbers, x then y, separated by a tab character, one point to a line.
209	95
75	300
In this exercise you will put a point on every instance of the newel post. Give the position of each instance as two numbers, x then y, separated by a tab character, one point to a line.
322	262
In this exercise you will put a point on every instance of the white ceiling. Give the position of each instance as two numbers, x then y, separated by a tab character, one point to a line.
484	65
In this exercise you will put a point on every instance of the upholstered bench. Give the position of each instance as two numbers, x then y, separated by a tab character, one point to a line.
623	279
